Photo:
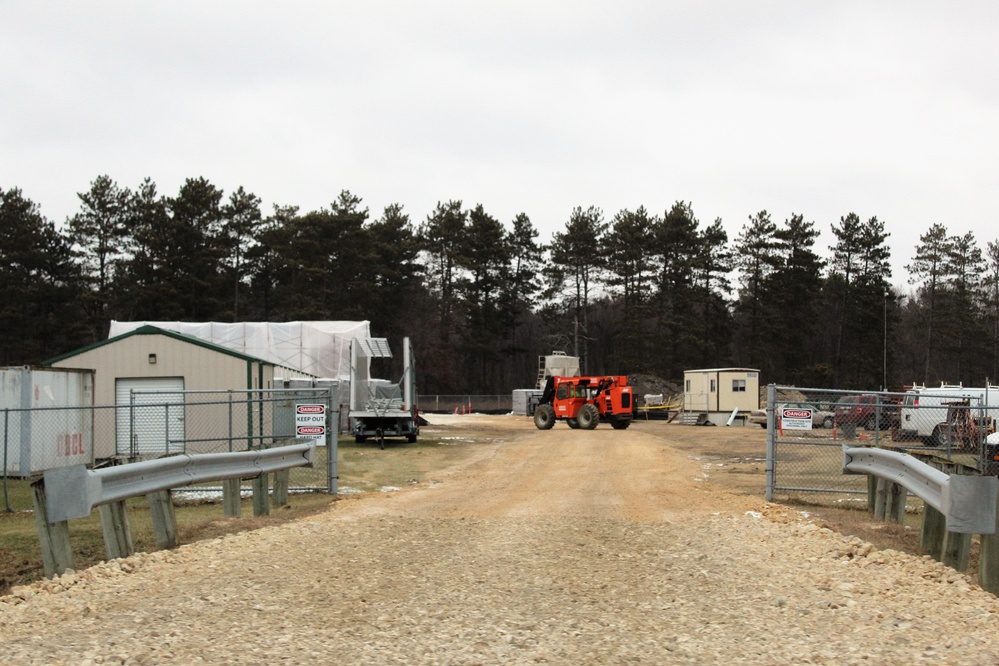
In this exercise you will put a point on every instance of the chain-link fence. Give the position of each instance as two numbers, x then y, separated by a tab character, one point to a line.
466	404
807	429
155	424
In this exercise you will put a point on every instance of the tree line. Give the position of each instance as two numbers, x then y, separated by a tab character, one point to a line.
482	299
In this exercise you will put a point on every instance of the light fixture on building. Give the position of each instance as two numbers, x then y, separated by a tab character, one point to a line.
152	359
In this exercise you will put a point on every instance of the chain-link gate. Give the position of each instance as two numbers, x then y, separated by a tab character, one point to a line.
807	429
159	423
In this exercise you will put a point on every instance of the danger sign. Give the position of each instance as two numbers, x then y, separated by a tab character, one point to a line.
310	422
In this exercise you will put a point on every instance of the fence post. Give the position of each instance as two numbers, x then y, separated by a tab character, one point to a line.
231	498
771	443
57	555
164	519
6	499
117	536
332	449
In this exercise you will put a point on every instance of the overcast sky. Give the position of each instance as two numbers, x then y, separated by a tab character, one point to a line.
879	108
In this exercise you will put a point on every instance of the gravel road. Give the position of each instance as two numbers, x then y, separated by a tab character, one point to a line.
559	547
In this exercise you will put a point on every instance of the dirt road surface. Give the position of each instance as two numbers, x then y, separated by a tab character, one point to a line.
558	547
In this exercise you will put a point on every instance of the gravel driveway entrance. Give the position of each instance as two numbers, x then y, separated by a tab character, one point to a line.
560	547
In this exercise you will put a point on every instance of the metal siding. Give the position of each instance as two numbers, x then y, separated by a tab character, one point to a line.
202	369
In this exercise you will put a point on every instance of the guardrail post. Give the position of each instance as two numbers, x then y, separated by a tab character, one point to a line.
881	498
232	503
931	535
117	535
164	519
57	555
988	560
957	550
872	492
261	496
280	497
895	509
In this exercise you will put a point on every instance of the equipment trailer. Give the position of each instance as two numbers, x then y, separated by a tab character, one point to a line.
380	409
585	401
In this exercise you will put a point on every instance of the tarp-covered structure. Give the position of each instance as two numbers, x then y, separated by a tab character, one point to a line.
319	348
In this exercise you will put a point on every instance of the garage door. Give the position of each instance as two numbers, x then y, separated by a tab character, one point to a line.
149	417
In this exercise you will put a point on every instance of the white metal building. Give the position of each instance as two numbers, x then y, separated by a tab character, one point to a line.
713	394
148	358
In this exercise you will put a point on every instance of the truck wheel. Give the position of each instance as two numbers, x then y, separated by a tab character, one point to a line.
588	416
411	439
360	439
620	424
573	423
938	437
827	423
544	417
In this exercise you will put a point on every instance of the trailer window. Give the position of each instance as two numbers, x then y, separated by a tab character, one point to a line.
738	385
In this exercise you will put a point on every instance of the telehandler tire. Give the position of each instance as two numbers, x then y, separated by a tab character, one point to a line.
588	417
620	424
544	417
572	423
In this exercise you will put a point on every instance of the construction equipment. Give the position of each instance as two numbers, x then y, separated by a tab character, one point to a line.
378	408
963	429
582	402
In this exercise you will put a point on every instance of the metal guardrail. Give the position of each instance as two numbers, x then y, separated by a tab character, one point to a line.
967	502
73	492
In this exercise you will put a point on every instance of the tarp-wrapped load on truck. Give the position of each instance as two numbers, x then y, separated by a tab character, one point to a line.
379	408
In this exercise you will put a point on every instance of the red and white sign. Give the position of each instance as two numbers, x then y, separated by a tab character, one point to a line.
310	422
795	418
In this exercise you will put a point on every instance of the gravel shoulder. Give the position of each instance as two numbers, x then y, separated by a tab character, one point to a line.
538	547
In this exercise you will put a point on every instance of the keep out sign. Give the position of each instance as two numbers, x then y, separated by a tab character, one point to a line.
310	422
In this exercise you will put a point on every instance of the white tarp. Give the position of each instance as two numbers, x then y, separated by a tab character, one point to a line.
319	348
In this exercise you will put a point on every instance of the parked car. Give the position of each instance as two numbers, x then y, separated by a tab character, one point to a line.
821	418
866	410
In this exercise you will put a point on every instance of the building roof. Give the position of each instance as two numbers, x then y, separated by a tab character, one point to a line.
724	370
153	330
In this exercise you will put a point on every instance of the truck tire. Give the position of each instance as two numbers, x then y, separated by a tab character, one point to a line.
572	423
939	437
544	417
621	423
588	417
360	439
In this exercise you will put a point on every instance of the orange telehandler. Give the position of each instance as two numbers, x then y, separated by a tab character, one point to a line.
585	401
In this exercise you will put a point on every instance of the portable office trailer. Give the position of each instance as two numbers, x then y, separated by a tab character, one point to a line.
713	394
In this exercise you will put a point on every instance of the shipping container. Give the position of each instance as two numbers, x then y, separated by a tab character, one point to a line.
47	419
